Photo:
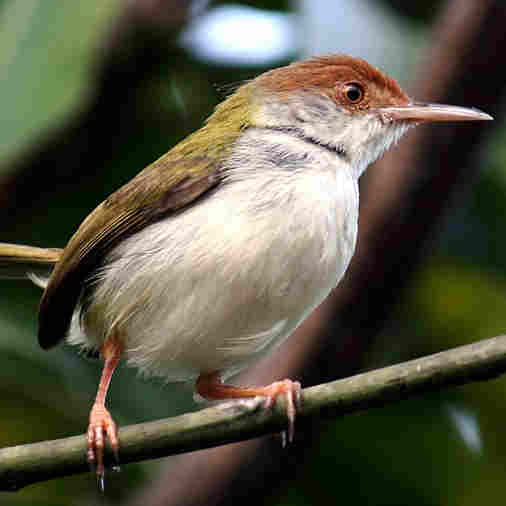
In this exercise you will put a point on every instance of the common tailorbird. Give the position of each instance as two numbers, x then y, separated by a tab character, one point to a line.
213	254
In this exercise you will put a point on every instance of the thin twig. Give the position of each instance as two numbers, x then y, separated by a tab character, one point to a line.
237	421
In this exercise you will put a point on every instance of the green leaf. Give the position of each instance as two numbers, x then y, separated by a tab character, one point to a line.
47	51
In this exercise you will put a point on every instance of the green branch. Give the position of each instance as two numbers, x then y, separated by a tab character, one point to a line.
236	421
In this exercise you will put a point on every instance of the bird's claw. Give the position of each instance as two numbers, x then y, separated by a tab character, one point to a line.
100	428
210	386
293	397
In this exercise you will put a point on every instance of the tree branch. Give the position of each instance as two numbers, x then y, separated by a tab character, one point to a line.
236	421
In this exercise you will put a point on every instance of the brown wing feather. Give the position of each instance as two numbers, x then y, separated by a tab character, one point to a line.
137	204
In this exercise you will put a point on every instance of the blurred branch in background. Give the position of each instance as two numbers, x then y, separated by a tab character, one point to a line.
235	421
405	196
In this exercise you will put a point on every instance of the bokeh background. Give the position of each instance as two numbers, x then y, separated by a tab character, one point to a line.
91	92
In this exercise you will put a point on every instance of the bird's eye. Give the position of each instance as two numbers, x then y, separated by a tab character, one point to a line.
353	92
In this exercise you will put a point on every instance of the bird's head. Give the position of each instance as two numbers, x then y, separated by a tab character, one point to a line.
343	104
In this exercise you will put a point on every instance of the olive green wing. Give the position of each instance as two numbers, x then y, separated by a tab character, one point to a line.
167	185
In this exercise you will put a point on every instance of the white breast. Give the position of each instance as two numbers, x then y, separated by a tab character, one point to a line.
218	285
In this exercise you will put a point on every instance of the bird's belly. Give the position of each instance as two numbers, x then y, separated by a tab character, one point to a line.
213	324
186	301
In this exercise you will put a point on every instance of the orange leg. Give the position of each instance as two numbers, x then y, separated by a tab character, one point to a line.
101	424
210	387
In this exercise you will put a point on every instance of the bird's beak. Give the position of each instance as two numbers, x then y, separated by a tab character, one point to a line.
418	111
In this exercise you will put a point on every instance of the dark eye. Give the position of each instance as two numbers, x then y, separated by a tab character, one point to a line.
353	92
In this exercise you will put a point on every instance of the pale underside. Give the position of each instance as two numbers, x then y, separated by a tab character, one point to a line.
218	285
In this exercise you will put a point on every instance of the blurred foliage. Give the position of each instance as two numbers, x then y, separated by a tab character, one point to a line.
47	49
414	453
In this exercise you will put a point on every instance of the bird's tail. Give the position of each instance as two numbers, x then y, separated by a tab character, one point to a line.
27	262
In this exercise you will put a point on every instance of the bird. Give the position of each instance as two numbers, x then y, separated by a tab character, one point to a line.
212	256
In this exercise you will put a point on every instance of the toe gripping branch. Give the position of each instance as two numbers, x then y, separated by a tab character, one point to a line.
210	387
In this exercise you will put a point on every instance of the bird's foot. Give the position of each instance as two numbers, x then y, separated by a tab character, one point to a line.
292	392
101	427
210	387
